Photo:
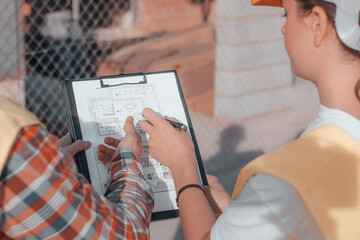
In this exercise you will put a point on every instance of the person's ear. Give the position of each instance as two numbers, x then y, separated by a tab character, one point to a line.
319	24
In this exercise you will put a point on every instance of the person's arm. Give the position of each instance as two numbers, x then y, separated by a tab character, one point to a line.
175	150
197	216
43	195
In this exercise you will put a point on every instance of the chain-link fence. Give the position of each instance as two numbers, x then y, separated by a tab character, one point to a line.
43	42
57	47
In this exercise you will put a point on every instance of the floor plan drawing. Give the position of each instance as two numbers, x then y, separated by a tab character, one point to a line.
98	108
158	176
108	126
109	112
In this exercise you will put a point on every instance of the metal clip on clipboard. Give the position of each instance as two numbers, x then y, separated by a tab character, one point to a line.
113	78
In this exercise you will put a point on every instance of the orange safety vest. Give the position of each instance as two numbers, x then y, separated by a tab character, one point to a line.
324	167
12	119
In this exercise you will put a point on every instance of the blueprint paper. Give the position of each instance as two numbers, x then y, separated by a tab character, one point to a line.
102	112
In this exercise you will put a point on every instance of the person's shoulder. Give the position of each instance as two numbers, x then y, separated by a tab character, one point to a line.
269	206
272	188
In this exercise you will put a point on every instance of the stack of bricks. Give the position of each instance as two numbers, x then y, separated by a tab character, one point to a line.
253	74
170	15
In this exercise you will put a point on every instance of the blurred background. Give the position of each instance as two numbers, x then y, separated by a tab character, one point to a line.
230	57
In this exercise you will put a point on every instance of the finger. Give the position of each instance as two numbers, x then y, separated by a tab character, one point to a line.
112	141
106	150
171	118
152	117
209	176
65	140
129	125
146	126
77	146
101	156
207	190
105	159
212	180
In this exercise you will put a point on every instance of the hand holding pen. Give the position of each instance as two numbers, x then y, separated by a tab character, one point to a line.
177	125
166	145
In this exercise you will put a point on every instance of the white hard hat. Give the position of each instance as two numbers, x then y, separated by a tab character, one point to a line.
347	19
347	22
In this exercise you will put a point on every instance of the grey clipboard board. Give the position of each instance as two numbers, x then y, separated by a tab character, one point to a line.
111	84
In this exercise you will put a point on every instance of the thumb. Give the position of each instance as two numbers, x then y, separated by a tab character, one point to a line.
65	140
129	125
77	146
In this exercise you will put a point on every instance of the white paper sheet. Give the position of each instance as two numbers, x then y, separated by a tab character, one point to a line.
102	112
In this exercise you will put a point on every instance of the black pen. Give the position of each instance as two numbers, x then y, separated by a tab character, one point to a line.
177	125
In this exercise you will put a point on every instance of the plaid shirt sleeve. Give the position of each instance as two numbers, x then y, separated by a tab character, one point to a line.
42	195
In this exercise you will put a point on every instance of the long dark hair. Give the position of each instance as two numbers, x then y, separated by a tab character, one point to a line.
307	5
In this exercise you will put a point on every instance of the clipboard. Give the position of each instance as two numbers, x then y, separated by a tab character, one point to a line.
97	107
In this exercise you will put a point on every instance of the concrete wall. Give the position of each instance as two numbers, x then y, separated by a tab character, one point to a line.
252	75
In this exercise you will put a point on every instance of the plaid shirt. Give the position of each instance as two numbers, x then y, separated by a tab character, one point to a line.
42	195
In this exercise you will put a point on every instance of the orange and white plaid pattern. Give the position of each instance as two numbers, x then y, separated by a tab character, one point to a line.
42	195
